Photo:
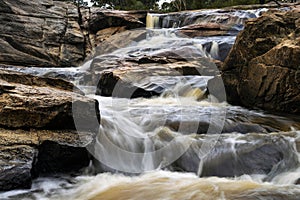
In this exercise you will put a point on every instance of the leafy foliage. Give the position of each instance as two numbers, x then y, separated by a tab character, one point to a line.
174	5
127	4
178	5
78	2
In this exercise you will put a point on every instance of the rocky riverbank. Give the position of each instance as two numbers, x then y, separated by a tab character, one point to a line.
38	132
262	69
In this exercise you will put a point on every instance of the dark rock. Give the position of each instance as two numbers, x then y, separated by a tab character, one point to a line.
15	167
110	85
102	19
215	87
261	69
60	158
27	154
269	155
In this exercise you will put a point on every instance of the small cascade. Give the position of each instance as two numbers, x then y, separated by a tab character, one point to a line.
233	19
152	21
214	50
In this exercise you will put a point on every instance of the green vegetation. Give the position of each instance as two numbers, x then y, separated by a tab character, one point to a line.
127	4
174	5
78	2
178	5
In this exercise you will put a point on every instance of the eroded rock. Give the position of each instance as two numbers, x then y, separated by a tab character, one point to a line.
53	33
28	106
32	102
262	67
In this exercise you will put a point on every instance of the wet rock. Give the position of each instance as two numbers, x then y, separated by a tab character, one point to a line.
117	38
143	76
234	156
15	167
205	30
215	87
261	69
11	76
69	148
26	154
218	50
202	123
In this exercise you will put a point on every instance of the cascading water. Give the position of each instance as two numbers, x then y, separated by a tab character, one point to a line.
152	21
168	141
234	18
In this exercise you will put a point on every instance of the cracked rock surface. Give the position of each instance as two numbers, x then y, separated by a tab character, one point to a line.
52	33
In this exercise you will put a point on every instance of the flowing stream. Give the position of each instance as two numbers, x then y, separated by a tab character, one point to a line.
183	144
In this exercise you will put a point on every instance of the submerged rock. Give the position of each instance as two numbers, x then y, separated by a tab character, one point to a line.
229	156
262	69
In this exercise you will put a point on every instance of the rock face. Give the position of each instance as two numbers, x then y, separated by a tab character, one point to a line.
52	33
262	69
37	127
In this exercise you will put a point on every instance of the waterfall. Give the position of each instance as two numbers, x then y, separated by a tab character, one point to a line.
214	51
152	21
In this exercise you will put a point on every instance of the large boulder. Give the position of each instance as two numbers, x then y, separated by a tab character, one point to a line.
53	33
262	69
37	130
